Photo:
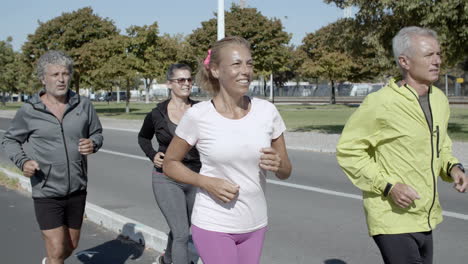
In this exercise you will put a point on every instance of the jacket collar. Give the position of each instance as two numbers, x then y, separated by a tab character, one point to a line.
162	106
36	102
405	90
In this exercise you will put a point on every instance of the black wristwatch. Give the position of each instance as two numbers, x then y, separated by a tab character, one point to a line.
459	165
388	187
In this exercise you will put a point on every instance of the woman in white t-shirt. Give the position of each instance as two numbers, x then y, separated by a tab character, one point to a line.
239	138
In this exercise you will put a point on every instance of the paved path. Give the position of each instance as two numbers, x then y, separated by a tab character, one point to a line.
22	243
300	141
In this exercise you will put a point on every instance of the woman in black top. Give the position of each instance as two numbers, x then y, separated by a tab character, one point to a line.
174	199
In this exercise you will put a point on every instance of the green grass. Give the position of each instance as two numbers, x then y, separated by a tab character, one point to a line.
10	106
328	119
8	182
138	111
458	123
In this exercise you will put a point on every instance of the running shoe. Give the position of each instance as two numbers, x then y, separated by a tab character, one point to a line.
160	260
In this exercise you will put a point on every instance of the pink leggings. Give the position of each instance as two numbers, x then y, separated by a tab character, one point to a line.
223	248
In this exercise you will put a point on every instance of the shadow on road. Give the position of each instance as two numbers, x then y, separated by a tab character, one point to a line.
116	251
327	129
334	261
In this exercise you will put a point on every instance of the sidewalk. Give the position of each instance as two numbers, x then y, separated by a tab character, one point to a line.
22	242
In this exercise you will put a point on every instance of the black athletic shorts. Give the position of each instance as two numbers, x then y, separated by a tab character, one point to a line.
406	248
62	211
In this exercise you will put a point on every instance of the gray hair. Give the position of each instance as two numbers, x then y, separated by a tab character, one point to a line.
53	57
401	43
176	66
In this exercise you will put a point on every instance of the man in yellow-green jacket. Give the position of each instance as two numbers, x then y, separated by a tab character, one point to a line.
396	145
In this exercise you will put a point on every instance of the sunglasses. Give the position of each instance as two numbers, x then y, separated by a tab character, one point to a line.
182	80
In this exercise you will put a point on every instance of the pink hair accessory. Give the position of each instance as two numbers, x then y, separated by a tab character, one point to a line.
206	62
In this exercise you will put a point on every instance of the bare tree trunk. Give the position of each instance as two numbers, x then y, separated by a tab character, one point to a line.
127	104
146	91
332	97
3	98
148	83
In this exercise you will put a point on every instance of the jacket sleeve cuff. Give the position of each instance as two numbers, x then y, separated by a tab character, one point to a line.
21	163
385	185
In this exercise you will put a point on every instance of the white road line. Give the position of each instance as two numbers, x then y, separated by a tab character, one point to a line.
455	215
301	187
121	129
287	184
315	189
123	154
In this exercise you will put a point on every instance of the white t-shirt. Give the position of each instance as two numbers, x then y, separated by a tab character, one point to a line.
230	149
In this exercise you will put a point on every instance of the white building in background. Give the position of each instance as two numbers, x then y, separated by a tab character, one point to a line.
157	89
363	89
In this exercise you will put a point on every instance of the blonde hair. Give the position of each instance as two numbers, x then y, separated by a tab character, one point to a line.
204	78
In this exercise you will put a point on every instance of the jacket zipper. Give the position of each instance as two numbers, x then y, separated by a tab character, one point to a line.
437	145
63	137
66	153
432	154
432	164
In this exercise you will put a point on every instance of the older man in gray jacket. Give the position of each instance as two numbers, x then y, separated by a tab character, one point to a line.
62	128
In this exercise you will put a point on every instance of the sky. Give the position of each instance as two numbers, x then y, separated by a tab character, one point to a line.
18	18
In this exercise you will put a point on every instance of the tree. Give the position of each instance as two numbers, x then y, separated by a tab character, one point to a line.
69	32
329	55
7	58
266	36
291	71
333	66
110	64
379	21
153	53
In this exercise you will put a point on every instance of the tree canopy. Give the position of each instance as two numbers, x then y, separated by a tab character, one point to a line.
69	32
266	35
355	49
381	20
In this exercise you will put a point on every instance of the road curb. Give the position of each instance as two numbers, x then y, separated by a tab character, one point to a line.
129	228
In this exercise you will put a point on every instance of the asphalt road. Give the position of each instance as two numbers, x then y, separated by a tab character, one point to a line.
22	243
316	219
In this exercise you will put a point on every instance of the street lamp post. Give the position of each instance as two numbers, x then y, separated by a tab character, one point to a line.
220	19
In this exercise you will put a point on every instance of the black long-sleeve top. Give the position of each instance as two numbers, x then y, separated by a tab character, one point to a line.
157	123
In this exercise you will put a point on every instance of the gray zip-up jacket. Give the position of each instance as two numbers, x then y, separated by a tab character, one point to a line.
54	144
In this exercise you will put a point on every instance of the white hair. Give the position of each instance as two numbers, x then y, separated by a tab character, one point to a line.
402	42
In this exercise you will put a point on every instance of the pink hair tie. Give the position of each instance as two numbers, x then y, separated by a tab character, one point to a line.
206	62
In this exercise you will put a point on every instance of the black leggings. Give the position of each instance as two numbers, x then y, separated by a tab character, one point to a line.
409	248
